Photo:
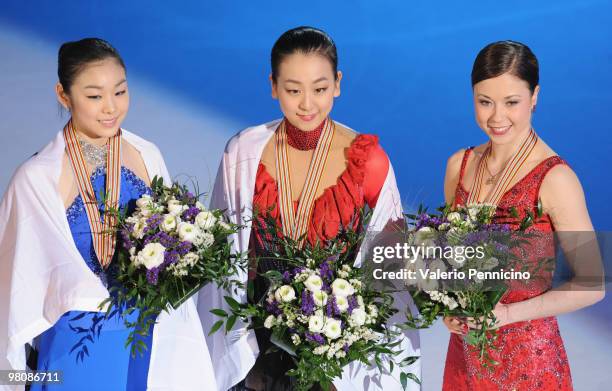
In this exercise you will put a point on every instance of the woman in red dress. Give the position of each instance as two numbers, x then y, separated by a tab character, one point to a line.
311	176
530	351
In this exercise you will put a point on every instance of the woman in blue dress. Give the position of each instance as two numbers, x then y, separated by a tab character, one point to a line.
91	162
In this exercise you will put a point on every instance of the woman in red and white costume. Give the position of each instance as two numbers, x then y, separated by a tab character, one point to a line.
357	173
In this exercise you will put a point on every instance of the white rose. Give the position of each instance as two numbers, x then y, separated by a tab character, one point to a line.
443	226
205	220
315	324
341	287
175	207
139	228
187	231
358	316
285	294
270	321
169	223
453	217
342	303
313	283
144	202
320	298
332	328
152	255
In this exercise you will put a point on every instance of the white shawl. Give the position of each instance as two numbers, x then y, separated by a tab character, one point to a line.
234	354
43	276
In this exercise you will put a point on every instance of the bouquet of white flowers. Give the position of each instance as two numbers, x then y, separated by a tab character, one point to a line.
453	280
322	313
170	247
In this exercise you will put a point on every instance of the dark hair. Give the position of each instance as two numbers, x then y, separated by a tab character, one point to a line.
501	57
74	56
304	40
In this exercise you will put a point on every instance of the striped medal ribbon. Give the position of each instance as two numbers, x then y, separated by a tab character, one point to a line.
295	224
104	239
509	172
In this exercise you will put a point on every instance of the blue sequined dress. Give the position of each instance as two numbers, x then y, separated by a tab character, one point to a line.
89	349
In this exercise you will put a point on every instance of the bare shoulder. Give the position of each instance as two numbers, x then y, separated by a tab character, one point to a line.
344	136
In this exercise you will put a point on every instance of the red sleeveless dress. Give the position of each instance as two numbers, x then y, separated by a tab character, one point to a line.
531	354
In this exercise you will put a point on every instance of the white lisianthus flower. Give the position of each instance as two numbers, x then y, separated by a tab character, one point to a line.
169	223
425	229
453	217
175	207
187	231
332	329
315	324
200	205
152	255
360	301
270	321
444	226
205	220
313	283
285	294
320	298
139	228
144	202
358	317
341	287
295	339
342	303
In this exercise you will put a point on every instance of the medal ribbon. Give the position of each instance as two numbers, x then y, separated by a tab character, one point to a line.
104	240
509	172
295	224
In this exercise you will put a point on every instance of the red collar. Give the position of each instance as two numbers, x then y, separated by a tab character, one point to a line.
303	140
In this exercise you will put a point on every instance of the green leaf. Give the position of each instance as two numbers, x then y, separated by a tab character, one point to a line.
219	312
414	378
404	380
230	322
216	327
232	303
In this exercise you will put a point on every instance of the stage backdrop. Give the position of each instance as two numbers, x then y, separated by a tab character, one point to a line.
198	73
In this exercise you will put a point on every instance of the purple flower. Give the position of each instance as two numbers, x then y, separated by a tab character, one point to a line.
154	221
287	277
170	257
345	348
183	248
273	308
315	337
326	272
332	308
308	303
352	304
190	214
152	275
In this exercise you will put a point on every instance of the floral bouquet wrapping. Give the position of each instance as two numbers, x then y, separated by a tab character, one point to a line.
170	247
454	281
321	313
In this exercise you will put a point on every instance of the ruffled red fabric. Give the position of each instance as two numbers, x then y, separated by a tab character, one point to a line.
338	205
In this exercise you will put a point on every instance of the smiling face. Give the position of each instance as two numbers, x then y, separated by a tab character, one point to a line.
503	107
98	99
305	88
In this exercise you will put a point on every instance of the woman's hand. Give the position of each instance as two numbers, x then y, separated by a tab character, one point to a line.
455	325
502	317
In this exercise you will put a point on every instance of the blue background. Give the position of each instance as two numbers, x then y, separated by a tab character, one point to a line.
198	73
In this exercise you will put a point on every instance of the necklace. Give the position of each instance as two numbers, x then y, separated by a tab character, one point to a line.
303	140
492	179
94	155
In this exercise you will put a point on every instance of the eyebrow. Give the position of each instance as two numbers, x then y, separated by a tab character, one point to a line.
99	88
507	97
298	82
